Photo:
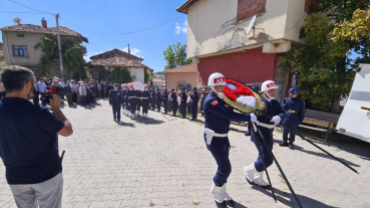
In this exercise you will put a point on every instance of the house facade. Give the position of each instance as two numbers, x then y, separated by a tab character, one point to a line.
184	76
218	39
19	42
116	58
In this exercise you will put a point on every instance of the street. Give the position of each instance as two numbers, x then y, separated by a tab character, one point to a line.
162	161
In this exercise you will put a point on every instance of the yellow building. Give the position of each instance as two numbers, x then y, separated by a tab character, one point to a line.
183	76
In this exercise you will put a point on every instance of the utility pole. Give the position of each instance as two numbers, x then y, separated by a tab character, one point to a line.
59	48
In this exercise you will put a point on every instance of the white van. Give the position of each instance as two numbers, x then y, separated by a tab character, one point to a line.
355	118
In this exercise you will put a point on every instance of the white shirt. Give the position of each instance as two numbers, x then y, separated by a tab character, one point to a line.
63	84
82	91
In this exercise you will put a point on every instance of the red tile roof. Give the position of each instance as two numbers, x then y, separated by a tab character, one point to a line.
184	8
183	69
48	30
158	80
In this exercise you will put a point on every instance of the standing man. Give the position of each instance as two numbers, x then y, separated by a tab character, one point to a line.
267	122
164	100
42	87
248	133
154	99
33	167
127	102
183	103
294	115
159	100
68	93
174	102
204	95
138	94
194	104
115	101
102	93
82	93
132	101
217	123
145	101
35	92
123	95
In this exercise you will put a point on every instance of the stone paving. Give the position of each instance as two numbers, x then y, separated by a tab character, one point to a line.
163	162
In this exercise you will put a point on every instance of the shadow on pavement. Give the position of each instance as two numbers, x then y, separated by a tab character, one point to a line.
281	197
150	121
126	124
238	205
323	155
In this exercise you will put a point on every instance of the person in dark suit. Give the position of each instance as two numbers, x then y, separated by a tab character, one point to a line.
183	103
164	100
154	99
159	100
138	95
35	93
194	104
174	102
131	96
145	102
115	100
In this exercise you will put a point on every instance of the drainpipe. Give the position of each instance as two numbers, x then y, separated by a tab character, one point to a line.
7	48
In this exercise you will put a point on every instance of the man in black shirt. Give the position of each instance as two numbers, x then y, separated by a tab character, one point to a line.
27	143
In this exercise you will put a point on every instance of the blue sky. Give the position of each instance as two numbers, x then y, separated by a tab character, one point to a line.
110	16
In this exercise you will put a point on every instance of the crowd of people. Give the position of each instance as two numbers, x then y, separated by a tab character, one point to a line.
136	103
82	92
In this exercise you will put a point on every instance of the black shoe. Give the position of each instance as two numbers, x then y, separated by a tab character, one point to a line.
247	133
230	203
283	144
221	205
291	146
115	119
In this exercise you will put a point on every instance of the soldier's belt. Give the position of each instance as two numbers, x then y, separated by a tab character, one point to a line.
268	126
144	98
129	97
216	134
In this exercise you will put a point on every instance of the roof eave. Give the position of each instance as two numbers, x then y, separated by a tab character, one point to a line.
184	8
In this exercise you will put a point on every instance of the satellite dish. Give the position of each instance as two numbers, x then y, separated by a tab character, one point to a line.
17	20
251	25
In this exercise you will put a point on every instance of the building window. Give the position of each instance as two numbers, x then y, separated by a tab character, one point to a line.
20	51
20	35
249	8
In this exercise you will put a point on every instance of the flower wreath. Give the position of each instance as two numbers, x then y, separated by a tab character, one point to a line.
235	89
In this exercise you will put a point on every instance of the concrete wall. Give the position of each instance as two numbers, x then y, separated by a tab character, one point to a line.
138	73
29	40
213	26
173	79
33	59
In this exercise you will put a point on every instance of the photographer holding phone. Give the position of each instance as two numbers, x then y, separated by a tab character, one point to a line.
30	155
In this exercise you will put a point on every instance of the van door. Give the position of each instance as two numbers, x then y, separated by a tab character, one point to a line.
355	118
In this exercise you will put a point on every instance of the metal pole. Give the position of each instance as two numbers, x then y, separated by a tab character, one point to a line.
254	132
59	48
281	170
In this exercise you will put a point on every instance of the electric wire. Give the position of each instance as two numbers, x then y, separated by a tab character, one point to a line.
31	8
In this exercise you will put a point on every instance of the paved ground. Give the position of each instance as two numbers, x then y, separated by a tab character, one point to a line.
163	162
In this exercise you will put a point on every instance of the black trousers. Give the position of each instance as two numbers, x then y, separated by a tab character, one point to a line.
183	110
194	111
132	106
174	108
35	99
116	112
145	105
159	106
165	107
153	104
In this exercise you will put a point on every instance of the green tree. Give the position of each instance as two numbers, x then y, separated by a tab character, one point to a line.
2	60
322	66
148	77
72	53
175	56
